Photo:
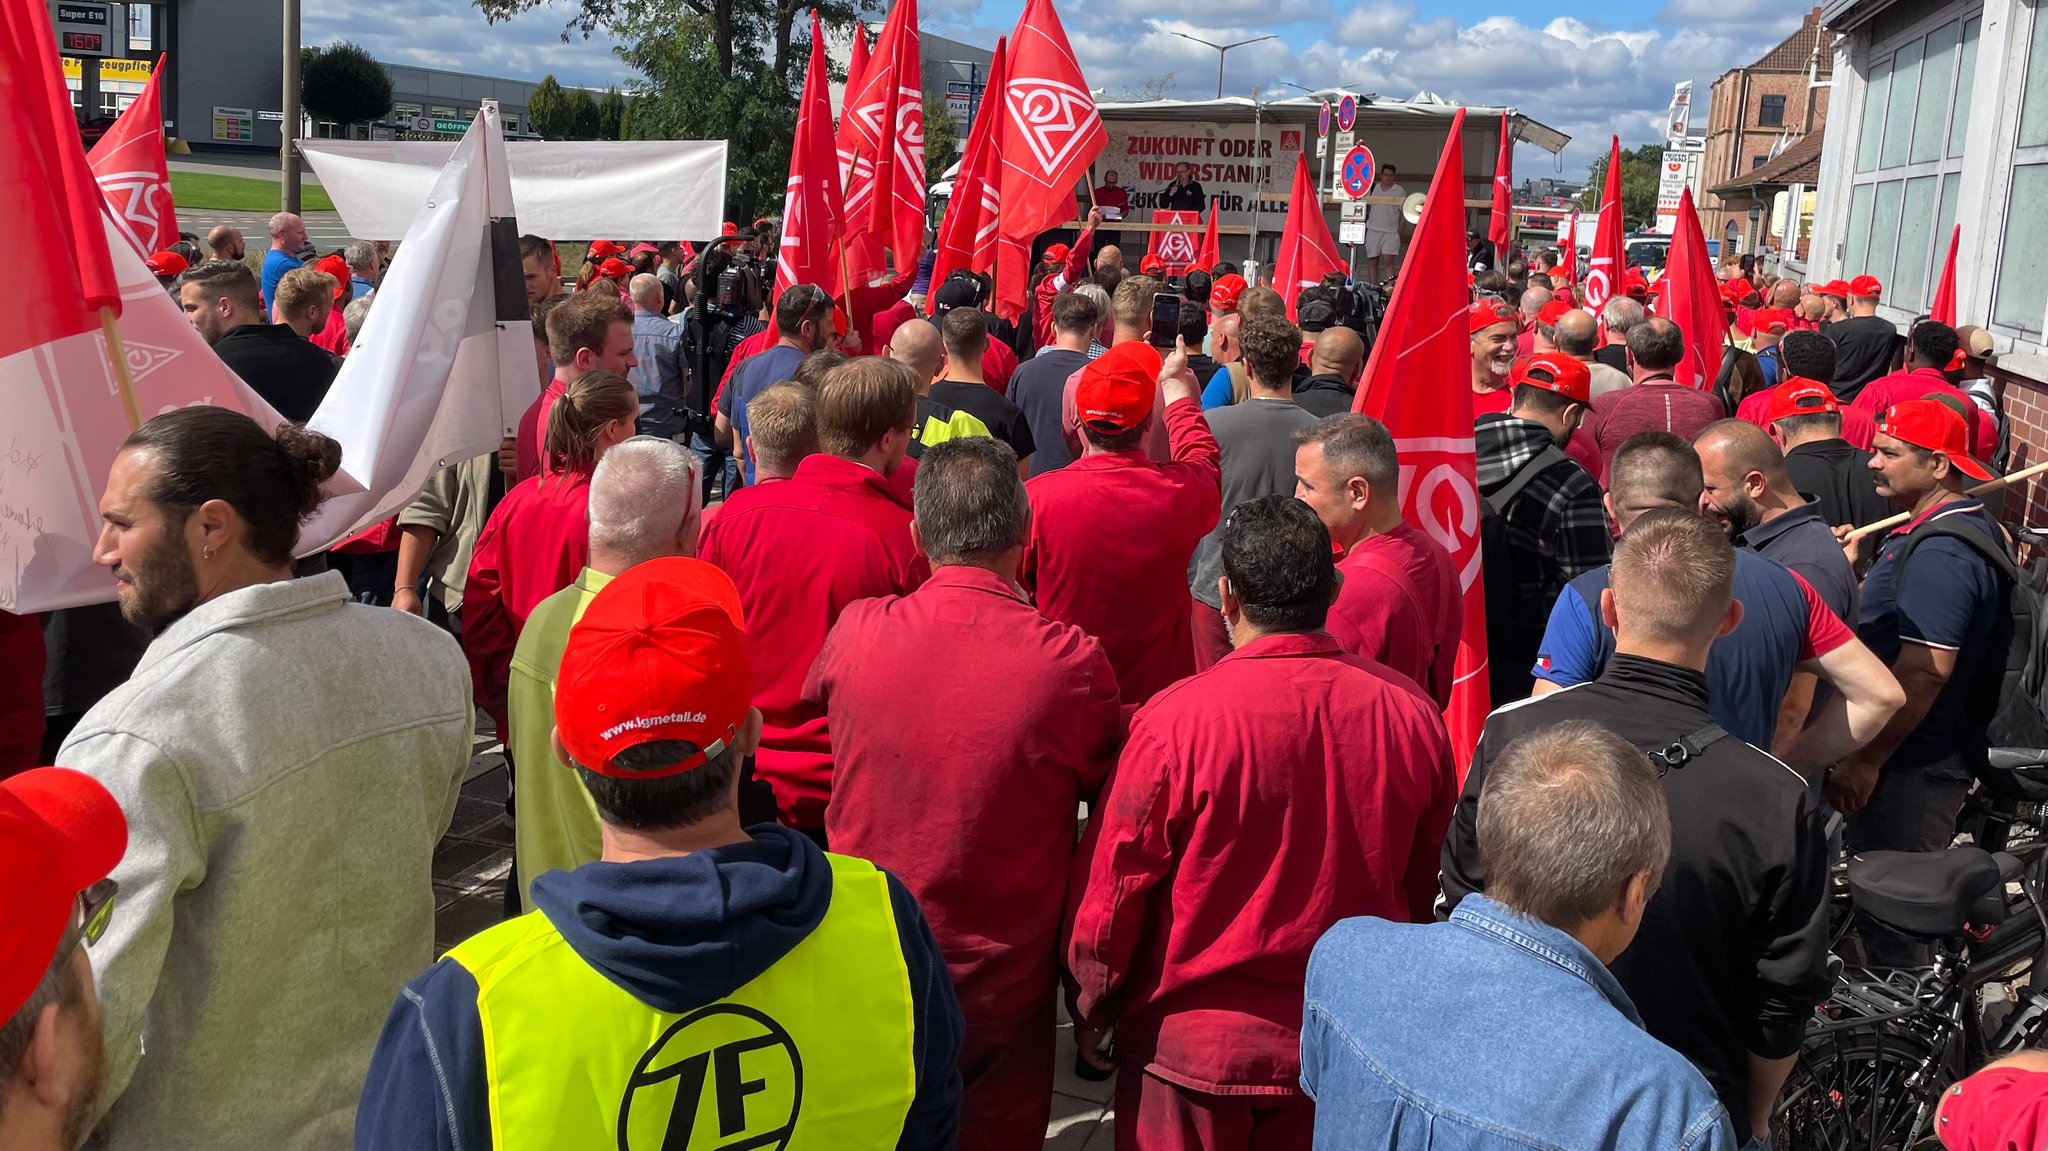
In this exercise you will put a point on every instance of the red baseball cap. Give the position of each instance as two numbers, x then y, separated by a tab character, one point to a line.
1866	287
660	654
644	246
729	229
1055	253
1995	1109
615	270
1224	293
599	249
1151	264
1837	288
1485	314
1935	427
1634	284
1117	391
60	833
166	264
335	266
1799	396
1553	312
1555	372
1771	320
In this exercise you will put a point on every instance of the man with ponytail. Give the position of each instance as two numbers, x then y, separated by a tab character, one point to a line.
287	760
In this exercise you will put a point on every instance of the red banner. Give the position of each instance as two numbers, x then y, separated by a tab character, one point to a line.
128	163
1603	276
1307	253
967	236
1051	132
1175	249
811	208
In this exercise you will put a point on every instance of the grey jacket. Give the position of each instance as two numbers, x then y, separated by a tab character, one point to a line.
287	761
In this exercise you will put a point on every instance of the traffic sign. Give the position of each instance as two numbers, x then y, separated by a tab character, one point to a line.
1357	171
1323	119
1347	113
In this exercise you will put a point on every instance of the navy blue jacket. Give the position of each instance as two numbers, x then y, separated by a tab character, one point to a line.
678	934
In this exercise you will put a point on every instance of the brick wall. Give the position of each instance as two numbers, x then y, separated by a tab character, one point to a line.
2025	403
1735	139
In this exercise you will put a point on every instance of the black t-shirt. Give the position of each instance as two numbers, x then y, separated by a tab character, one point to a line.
1038	388
286	369
1614	356
1864	346
1005	420
1187	197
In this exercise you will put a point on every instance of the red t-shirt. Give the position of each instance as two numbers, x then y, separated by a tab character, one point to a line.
1923	384
1290	785
1111	535
1651	406
529	450
800	550
1858	426
1499	400
533	545
1434	583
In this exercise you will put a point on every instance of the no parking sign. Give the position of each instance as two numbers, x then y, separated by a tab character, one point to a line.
1357	173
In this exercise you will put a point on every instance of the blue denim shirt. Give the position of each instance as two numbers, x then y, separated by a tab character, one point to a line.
1486	1033
658	345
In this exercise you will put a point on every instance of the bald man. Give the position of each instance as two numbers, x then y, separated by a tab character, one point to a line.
287	241
226	243
1334	366
1533	300
1578	334
918	344
1750	494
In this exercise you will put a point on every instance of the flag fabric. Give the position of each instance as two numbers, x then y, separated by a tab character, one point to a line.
1942	309
1568	259
1603	276
46	193
128	163
1212	245
967	236
1175	249
811	208
443	368
1690	296
1307	253
1416	384
1051	131
1501	230
887	117
864	254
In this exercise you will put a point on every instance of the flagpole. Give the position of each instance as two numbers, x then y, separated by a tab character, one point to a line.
117	358
1982	489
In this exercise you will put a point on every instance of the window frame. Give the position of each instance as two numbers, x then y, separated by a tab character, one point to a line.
1763	108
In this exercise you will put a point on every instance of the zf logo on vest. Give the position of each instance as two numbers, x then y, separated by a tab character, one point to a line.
723	1078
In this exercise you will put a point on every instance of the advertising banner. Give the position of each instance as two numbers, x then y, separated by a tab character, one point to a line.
1229	161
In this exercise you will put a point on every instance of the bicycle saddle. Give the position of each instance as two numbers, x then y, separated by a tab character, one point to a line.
2017	773
1932	894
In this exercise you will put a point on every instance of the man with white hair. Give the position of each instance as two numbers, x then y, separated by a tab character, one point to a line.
662	371
365	268
1620	314
287	240
645	502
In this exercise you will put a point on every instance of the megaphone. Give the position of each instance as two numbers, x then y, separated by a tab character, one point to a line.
1411	208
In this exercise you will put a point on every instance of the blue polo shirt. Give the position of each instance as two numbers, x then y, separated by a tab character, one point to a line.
1783	623
1952	598
275	265
754	375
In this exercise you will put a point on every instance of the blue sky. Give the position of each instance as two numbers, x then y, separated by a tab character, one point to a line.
1586	70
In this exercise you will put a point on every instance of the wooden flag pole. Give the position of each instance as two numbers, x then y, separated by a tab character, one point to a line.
1984	488
117	358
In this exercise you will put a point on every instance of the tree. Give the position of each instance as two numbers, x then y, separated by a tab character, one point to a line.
1640	171
733	31
547	110
345	84
1153	88
611	115
941	139
583	117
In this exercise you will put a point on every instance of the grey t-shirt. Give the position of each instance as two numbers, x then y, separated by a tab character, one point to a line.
1257	441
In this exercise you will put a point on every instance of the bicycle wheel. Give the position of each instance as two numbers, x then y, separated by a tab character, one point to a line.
1859	1091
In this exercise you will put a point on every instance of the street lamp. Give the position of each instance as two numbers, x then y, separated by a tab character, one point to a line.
1222	50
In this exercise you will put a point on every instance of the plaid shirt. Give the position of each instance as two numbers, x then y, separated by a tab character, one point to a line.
1558	516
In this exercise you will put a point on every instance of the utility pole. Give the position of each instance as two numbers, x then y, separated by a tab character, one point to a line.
1222	50
288	131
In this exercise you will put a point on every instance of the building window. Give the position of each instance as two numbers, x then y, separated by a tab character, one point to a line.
1756	162
2020	295
511	122
404	111
442	111
1772	112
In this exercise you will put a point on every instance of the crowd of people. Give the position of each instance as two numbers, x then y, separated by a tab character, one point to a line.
877	675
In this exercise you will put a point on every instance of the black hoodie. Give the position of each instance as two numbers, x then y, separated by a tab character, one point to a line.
676	933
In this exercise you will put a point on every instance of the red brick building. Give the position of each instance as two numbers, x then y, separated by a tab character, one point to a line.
1759	109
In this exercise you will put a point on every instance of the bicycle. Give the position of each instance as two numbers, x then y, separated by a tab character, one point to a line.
1889	1041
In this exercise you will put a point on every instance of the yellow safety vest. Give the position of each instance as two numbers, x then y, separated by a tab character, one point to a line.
813	1055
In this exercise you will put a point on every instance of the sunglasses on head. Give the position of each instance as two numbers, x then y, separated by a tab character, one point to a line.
96	910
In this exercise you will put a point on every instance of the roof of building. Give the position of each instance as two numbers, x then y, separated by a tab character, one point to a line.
1373	111
1799	163
1795	53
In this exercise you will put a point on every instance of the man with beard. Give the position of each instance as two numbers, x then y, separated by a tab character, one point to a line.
287	760
225	241
60	834
1751	495
221	300
1495	328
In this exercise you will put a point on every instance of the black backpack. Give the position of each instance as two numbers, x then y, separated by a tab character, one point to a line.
1514	631
2011	694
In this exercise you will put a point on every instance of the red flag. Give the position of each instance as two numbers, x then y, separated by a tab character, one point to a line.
967	236
1416	384
864	256
1051	132
811	208
1212	245
887	118
46	192
1503	199
1175	249
1568	259
129	164
1603	278
1690	296
1306	253
1942	309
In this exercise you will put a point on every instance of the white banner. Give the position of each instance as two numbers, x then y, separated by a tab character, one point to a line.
442	369
566	189
1229	163
65	423
1680	113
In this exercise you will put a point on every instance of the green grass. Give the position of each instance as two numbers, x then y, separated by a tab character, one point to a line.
239	193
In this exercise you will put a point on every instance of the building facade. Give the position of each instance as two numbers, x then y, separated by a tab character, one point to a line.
1942	117
1756	113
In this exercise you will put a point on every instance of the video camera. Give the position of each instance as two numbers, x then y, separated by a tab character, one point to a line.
1356	306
